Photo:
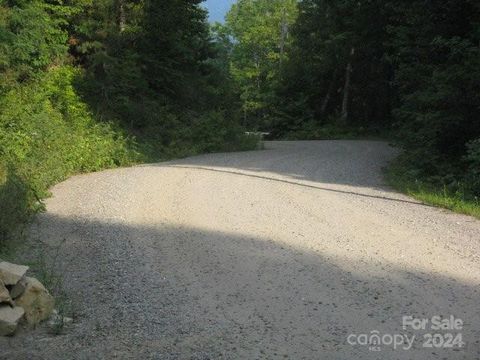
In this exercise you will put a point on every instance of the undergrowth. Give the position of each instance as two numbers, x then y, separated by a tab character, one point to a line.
456	196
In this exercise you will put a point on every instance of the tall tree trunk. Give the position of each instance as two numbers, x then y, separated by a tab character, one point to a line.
257	66
328	95
283	35
346	89
122	19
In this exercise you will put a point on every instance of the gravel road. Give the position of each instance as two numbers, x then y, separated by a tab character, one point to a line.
292	252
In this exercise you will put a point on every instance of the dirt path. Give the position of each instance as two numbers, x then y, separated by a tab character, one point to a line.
276	254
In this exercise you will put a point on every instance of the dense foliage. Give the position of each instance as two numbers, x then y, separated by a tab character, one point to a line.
261	34
338	73
436	56
86	85
154	66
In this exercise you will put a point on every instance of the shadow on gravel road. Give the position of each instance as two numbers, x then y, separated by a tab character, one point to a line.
356	163
168	292
296	183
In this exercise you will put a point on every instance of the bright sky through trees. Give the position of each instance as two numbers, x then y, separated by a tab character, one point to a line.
217	9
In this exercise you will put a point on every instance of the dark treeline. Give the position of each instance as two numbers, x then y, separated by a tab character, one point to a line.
154	66
86	85
410	69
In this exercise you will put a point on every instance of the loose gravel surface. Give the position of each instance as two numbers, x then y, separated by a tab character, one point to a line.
292	252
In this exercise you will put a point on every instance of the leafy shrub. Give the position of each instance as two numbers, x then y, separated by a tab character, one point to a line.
172	135
213	131
46	135
31	39
313	130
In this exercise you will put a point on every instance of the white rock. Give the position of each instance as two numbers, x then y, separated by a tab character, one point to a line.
11	274
9	318
19	288
4	294
36	301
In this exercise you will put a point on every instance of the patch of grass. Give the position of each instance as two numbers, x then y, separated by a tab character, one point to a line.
456	199
65	310
44	268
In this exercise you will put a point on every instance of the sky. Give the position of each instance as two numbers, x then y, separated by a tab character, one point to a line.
218	8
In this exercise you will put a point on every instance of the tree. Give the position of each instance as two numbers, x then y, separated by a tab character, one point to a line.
435	50
31	38
261	36
337	68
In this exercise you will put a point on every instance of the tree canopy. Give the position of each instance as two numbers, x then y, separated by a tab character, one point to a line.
261	34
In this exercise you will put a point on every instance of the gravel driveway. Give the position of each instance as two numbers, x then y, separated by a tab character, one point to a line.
289	253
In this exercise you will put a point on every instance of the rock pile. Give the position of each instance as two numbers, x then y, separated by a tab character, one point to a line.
21	297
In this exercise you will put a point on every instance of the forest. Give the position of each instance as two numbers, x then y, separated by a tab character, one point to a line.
87	85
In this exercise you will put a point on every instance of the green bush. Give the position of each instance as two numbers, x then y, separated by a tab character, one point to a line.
315	130
175	135
46	135
213	131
